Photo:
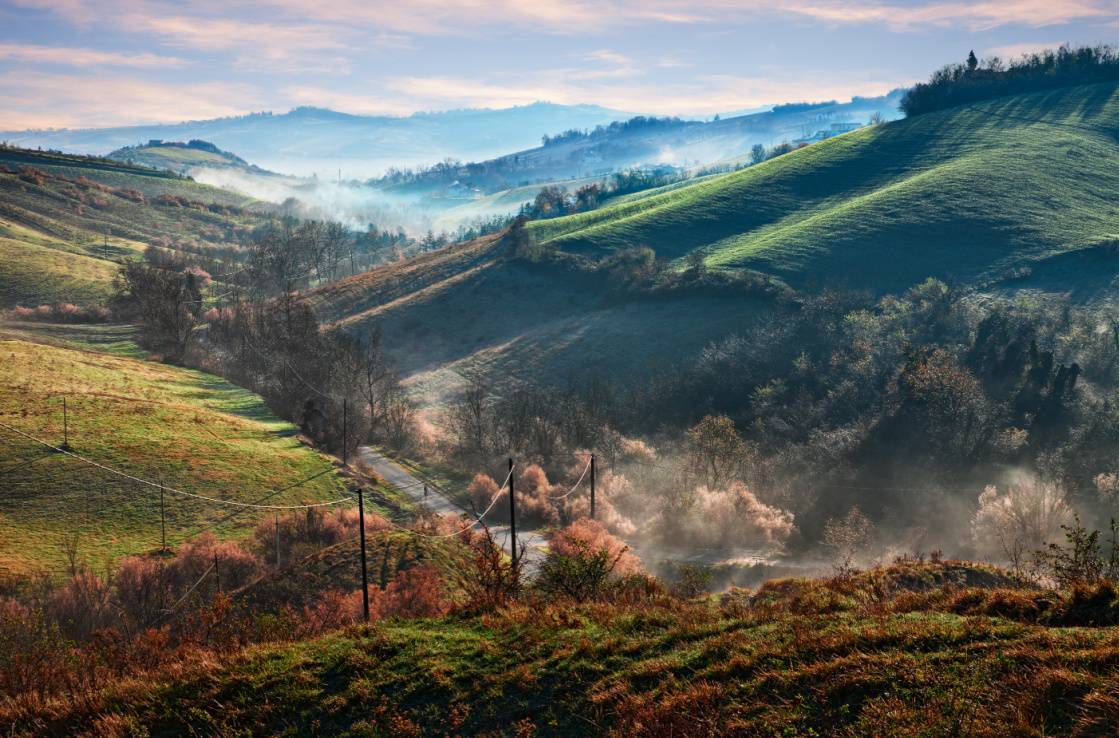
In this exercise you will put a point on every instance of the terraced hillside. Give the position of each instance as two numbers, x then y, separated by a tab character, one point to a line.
66	222
969	194
186	429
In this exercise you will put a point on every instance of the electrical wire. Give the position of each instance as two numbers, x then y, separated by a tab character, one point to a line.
182	599
172	490
571	491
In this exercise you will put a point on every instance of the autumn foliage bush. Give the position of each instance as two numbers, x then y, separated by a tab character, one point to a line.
63	312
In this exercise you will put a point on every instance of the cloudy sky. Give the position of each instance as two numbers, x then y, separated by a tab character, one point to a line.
71	63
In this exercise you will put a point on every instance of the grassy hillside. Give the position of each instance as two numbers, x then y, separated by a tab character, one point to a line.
191	430
466	311
67	221
798	659
967	193
182	157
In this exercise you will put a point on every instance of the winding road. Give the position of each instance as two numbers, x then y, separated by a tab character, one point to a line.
399	476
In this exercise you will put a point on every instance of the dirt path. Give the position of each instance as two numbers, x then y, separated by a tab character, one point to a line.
400	477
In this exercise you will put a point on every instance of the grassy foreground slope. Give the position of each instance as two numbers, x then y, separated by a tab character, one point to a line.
190	430
798	658
66	222
965	193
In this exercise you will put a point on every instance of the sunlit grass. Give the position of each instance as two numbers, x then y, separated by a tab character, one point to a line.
188	429
964	193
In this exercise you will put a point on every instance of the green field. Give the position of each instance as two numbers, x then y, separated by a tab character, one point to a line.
184	428
66	222
964	194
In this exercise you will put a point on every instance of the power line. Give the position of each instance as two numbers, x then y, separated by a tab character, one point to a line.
182	599
268	496
184	493
478	518
571	491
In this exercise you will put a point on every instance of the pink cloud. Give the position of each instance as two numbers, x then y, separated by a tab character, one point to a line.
72	100
81	57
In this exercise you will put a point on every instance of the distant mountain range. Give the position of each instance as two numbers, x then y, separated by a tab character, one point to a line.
315	141
644	142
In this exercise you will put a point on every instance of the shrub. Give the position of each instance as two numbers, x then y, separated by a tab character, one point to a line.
32	650
1024	519
417	592
234	567
728	517
848	537
142	589
82	606
1084	560
63	312
581	561
492	580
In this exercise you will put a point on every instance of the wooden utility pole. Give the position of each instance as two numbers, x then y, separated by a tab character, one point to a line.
512	515
592	485
364	571
162	521
65	425
217	574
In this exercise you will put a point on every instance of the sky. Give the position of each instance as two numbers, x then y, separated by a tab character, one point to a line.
85	63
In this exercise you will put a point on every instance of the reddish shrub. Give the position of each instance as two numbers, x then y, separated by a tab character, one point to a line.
142	589
32	650
303	533
417	592
590	536
235	566
130	194
81	606
482	490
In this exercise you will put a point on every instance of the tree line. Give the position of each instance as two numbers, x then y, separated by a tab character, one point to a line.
974	80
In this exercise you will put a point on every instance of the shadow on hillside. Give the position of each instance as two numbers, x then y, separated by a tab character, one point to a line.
1085	276
220	395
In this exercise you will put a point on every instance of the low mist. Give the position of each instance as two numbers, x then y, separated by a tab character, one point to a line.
354	204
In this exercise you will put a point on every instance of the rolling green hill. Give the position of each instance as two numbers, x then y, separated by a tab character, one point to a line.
67	221
968	194
188	429
177	156
1011	193
467	311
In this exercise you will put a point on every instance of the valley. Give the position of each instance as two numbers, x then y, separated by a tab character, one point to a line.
799	420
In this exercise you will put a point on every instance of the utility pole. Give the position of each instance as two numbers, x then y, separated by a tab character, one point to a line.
162	521
364	571
512	515
217	574
592	486
277	540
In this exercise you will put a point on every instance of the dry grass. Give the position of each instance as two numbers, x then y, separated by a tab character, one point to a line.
654	667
